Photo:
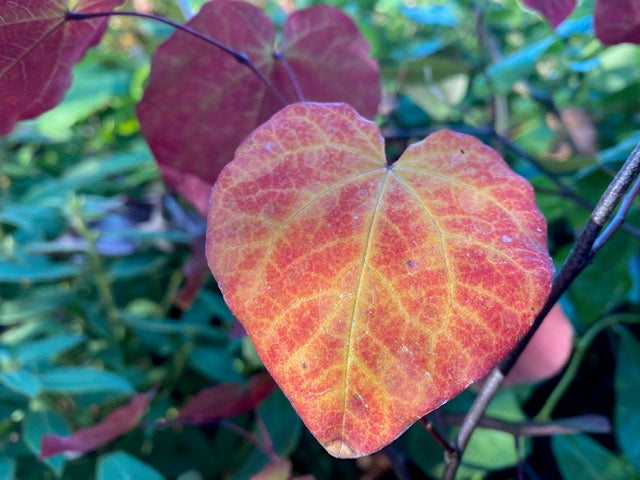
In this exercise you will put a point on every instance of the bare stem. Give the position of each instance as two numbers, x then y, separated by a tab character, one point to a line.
241	57
580	256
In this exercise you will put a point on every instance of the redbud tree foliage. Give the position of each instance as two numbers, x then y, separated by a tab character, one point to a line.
375	250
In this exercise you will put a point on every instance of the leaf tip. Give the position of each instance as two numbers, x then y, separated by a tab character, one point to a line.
340	449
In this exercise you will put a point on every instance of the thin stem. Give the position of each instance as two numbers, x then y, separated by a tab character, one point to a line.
241	57
249	437
291	74
582	347
537	428
580	256
100	276
440	439
619	218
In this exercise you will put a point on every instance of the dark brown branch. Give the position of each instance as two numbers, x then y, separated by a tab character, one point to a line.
579	257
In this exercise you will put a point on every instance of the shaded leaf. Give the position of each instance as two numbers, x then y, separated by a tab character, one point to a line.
46	348
122	466
201	103
22	382
627	388
38	424
7	468
214	363
580	456
555	11
374	293
35	270
617	21
226	400
117	423
548	351
76	380
37	39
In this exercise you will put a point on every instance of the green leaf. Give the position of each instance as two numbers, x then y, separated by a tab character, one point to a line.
90	172
122	466
518	65
37	424
93	87
441	15
7	468
606	282
169	326
47	348
35	270
284	427
83	380
580	456
215	364
492	449
627	388
21	381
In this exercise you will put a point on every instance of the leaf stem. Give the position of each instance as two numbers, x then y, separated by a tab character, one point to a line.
290	73
582	347
580	256
240	57
100	276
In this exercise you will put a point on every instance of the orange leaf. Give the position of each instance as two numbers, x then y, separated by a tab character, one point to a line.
374	293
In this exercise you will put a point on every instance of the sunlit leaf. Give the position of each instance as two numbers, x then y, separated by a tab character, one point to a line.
201	102
374	293
37	51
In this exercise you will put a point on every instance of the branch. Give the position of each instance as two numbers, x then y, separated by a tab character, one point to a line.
580	256
240	57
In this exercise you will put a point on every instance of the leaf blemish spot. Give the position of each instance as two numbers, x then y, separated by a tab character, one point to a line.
506	239
411	264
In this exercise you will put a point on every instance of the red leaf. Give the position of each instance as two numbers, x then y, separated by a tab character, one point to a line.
374	293
194	270
555	11
617	21
117	423
38	48
226	400
201	103
548	351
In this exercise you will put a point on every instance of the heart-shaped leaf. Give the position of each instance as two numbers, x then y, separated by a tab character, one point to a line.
201	103
374	293
38	48
617	21
555	11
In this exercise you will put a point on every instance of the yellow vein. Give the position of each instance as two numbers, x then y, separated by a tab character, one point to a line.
363	262
443	247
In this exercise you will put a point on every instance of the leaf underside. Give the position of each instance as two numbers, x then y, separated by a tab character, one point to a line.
374	293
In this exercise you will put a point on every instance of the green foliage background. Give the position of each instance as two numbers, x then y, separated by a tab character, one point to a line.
92	249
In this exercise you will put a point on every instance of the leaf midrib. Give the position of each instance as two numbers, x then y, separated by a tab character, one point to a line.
356	298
